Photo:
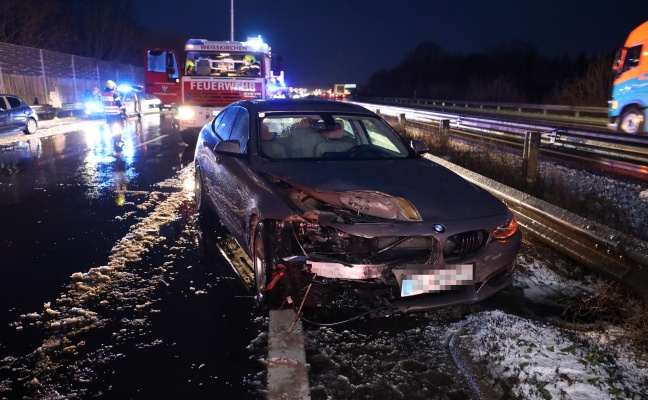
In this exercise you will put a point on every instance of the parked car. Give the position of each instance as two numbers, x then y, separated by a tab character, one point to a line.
15	114
328	194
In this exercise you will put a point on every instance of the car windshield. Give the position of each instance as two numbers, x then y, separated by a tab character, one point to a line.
328	136
223	63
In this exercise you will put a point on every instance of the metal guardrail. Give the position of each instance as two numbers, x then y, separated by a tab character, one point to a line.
622	153
576	111
614	254
46	111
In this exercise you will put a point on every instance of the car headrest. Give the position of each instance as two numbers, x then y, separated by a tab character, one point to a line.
334	134
266	134
304	123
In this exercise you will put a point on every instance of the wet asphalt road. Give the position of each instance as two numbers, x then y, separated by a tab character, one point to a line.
75	320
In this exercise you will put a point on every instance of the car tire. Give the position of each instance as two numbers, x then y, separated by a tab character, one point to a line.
30	126
200	196
632	121
262	264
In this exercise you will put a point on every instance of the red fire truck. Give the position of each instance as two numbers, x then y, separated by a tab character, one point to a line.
214	74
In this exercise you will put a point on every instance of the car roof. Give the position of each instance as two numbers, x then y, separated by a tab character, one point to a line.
303	105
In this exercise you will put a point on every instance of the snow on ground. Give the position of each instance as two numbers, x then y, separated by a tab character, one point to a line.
553	358
541	361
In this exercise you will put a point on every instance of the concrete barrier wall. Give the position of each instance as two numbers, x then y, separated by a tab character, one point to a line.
35	73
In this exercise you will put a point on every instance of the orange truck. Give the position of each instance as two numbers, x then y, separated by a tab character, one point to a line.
629	99
212	75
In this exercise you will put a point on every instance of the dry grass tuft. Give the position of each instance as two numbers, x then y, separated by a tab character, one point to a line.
612	303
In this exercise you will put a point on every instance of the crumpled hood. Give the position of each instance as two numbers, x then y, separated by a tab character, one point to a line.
436	192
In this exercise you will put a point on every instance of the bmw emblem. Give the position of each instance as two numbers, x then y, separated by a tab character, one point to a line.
438	227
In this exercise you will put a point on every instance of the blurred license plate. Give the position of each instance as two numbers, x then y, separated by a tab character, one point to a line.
418	281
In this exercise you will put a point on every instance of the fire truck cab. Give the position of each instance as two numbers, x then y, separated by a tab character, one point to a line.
213	75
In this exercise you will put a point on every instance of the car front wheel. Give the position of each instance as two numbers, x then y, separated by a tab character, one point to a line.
262	261
200	195
632	121
30	126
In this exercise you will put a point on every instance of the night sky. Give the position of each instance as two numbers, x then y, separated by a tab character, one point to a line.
333	41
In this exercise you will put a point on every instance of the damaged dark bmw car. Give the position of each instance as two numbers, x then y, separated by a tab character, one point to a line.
326	196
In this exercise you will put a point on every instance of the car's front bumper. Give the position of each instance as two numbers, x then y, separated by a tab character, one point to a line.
467	294
464	282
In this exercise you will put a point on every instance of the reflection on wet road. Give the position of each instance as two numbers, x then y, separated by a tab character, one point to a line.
102	292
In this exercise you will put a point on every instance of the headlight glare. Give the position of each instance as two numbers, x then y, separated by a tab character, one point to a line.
186	113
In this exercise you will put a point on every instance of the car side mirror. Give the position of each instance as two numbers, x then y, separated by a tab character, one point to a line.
419	147
228	146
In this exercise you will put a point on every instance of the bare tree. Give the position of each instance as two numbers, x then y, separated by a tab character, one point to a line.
24	22
592	88
500	89
109	32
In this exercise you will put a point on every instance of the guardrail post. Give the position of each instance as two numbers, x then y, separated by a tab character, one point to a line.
444	127
531	155
402	122
444	132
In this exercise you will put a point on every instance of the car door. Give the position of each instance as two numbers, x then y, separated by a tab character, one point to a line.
236	180
211	166
17	111
5	115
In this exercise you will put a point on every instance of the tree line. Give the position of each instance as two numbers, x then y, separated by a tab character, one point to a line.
514	72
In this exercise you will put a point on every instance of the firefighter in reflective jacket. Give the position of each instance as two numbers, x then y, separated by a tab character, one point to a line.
114	110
